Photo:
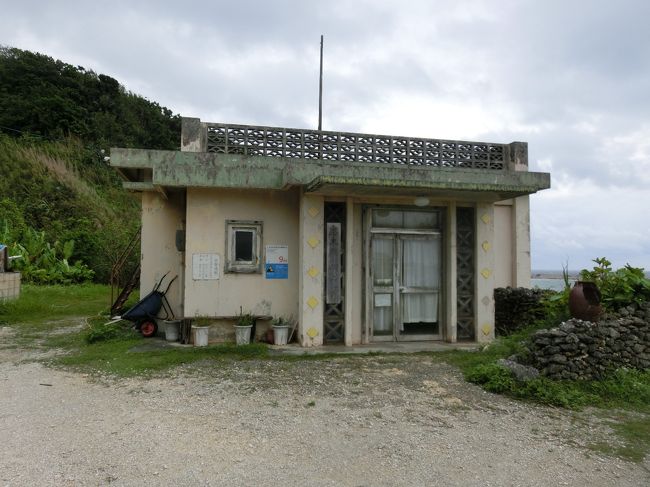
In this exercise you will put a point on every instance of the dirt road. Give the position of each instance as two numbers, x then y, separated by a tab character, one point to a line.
354	421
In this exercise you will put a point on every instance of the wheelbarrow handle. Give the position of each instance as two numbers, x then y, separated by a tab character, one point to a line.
170	283
161	280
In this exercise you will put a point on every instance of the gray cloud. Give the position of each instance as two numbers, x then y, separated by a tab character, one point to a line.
571	78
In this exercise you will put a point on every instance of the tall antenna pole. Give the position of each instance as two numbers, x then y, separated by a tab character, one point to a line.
320	88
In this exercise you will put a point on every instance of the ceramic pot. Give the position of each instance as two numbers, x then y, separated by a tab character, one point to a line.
584	301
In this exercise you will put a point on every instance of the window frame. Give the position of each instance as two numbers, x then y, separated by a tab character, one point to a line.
253	266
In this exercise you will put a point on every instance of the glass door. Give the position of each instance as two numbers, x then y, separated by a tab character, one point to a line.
405	272
419	287
383	286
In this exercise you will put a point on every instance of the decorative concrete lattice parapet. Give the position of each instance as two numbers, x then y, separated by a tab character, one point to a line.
353	147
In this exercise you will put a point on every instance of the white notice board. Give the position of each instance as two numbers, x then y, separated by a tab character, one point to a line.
205	267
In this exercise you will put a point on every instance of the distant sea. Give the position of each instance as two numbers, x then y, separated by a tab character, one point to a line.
545	279
554	284
554	280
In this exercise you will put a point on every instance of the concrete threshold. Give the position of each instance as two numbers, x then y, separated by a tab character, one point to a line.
386	347
159	343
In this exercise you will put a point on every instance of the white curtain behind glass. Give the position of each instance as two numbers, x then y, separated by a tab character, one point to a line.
420	269
382	269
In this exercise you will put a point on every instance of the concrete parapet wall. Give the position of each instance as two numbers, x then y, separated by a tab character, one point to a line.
9	286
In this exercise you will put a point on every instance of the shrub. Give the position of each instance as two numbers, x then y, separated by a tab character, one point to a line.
46	263
492	377
620	288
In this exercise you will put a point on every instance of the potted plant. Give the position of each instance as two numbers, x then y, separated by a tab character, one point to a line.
243	327
201	331
281	327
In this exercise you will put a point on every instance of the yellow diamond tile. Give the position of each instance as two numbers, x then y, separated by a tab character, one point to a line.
313	272
486	273
312	332
313	241
486	246
486	328
485	218
313	212
312	302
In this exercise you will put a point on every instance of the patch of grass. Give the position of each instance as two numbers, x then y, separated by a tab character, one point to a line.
623	395
118	357
622	389
99	330
632	438
44	308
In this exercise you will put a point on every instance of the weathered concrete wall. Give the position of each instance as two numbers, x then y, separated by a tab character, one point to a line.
503	245
9	286
311	270
512	242
484	276
161	218
354	277
207	212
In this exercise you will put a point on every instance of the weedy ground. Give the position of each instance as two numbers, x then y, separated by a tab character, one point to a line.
66	327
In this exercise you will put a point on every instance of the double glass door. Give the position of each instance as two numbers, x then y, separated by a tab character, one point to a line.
405	274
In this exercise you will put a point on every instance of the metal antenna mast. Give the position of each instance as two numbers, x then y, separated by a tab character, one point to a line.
320	88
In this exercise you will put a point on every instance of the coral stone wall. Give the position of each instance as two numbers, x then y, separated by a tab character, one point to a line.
584	350
515	307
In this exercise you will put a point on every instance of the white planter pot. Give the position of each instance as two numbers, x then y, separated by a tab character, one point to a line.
172	328
243	334
200	335
280	335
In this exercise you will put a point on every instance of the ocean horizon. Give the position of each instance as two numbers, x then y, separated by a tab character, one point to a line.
554	279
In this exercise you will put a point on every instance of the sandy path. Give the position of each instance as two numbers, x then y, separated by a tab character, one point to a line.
369	421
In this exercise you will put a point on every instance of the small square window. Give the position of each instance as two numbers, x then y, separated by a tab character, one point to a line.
243	246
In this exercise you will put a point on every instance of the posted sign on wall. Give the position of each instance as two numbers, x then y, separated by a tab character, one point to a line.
205	267
277	262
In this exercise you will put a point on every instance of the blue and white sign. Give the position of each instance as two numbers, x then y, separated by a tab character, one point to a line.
276	264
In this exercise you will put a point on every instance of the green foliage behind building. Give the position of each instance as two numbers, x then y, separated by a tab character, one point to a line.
55	120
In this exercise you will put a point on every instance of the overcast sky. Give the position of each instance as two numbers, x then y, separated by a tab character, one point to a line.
570	77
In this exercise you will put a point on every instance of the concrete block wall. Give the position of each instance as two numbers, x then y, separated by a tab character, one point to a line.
9	286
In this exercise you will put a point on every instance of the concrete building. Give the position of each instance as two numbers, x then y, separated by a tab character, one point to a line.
362	238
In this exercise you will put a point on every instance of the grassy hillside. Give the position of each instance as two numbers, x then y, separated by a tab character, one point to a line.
68	192
55	120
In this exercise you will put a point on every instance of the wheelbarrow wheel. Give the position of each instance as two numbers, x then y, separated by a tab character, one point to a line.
148	328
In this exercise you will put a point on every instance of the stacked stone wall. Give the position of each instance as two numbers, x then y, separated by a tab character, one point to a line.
584	350
515	307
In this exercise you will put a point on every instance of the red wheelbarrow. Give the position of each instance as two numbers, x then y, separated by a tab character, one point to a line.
145	312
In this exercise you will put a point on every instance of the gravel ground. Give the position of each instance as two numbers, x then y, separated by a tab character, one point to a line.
351	421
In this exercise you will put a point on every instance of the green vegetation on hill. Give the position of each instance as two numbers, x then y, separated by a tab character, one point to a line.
55	187
67	192
47	97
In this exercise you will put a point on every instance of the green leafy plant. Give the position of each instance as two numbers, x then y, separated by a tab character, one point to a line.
619	288
283	321
43	262
245	319
492	377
